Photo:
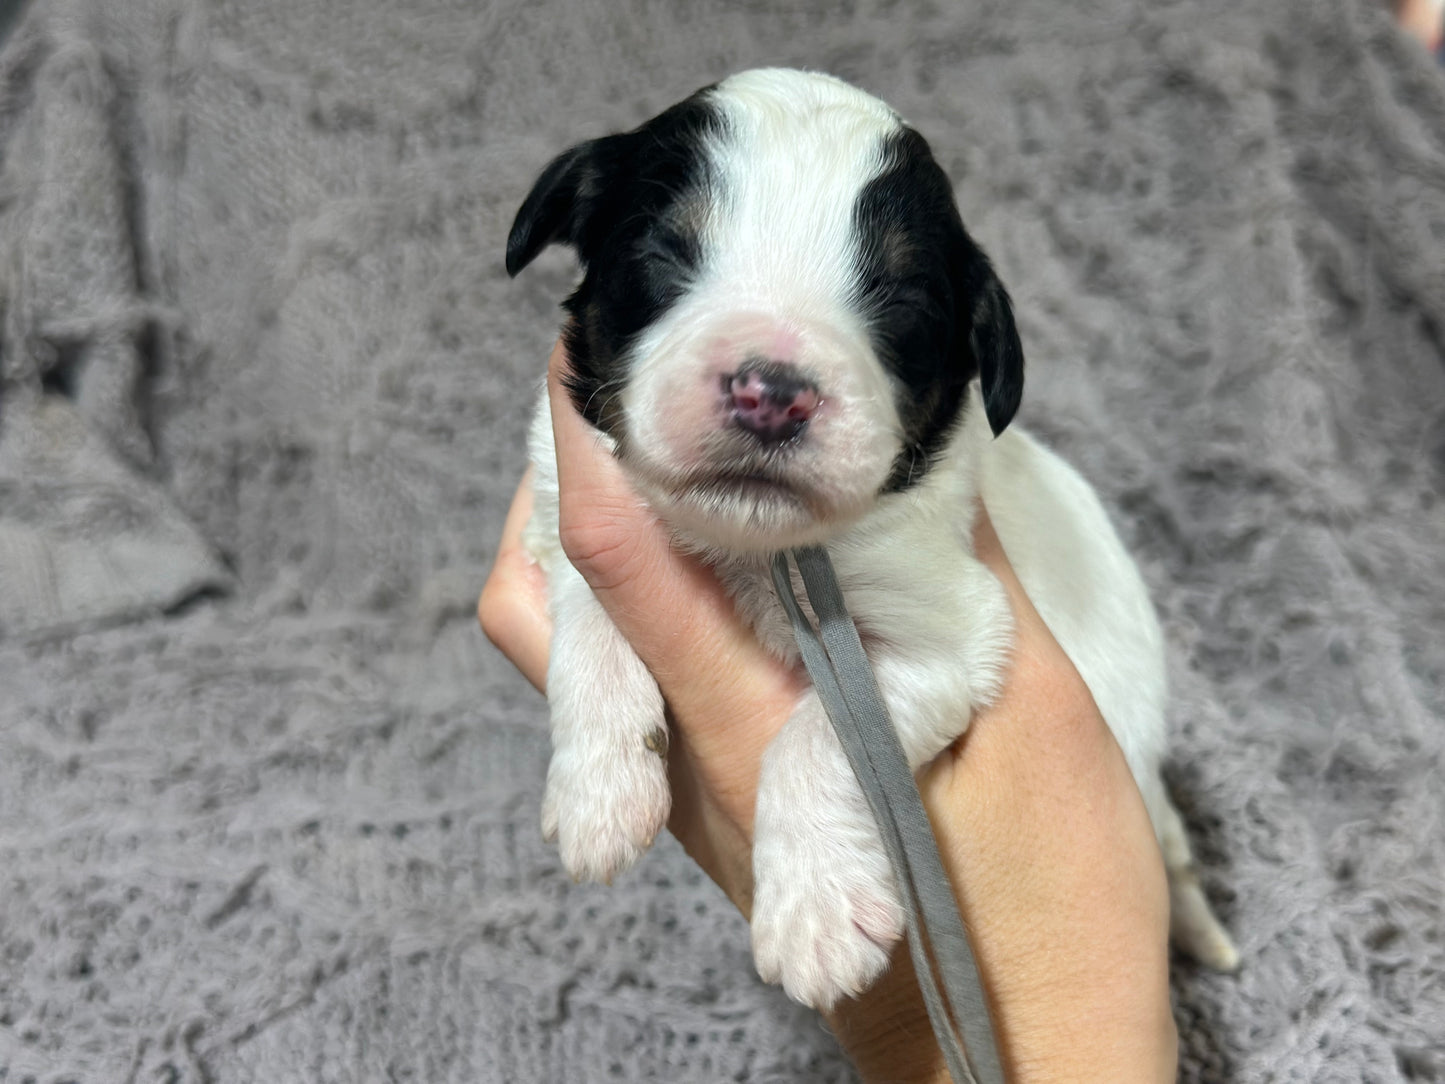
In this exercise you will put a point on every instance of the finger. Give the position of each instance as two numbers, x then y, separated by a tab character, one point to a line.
727	697
989	549
513	605
1035	650
669	606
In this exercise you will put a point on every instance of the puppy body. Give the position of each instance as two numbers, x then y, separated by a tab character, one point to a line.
788	338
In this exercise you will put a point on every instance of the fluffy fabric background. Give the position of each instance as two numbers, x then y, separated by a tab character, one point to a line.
268	802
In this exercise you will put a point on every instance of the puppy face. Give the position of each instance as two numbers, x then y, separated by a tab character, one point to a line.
780	311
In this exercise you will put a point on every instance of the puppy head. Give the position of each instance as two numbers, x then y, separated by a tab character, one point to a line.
780	312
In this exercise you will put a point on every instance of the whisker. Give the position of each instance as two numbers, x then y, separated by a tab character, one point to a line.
606	385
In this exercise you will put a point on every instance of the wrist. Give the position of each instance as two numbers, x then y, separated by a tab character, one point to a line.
887	1035
1070	933
886	1031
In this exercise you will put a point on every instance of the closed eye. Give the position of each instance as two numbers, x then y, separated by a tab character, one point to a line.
669	247
898	295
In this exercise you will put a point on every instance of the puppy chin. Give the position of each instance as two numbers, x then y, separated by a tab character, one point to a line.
745	516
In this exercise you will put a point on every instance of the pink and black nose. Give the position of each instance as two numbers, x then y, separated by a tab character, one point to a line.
770	400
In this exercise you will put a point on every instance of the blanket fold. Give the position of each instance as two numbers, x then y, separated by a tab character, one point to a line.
86	535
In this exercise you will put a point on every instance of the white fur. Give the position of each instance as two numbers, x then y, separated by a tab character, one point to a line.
934	620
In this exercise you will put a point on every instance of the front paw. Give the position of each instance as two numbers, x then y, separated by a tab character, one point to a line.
604	807
825	916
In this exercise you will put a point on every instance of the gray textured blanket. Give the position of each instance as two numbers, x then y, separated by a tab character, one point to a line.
268	803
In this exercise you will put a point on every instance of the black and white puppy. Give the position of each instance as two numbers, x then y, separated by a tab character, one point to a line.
788	337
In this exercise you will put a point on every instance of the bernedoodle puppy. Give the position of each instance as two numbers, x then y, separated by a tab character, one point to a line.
787	337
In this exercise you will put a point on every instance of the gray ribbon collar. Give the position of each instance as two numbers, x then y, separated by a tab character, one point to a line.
952	992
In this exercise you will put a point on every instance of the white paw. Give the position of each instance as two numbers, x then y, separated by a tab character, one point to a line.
826	913
1192	924
605	806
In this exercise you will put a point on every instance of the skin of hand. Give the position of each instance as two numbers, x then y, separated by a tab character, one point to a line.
1040	825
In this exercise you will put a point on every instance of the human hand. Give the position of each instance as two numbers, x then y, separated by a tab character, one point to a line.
1039	823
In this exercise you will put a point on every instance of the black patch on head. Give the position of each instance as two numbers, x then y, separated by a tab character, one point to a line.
630	205
937	312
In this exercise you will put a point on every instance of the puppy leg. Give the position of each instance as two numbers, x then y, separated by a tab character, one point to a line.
607	795
1193	927
825	906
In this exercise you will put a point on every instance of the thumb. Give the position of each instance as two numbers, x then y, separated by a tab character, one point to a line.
668	605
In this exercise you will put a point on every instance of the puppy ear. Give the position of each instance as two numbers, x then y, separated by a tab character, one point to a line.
984	319
561	202
994	340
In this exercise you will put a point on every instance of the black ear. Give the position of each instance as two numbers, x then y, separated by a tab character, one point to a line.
984	319
995	343
561	203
